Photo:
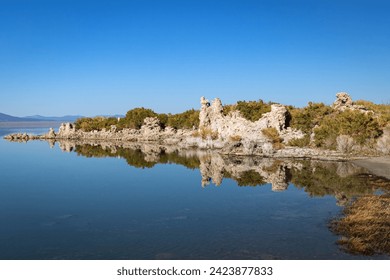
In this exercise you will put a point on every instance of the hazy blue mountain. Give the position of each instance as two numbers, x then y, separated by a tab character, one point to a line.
59	119
39	118
8	118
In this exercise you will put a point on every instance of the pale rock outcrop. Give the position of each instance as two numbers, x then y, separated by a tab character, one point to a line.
383	143
344	102
233	126
151	129
51	134
345	143
66	131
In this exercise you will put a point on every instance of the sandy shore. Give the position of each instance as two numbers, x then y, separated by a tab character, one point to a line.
379	166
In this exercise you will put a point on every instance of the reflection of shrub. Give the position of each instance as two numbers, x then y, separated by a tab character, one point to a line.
365	226
272	134
319	179
136	158
250	178
206	133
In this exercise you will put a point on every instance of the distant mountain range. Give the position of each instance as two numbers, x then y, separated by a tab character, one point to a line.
38	118
8	118
59	119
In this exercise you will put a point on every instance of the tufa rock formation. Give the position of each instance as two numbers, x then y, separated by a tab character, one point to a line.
211	117
344	102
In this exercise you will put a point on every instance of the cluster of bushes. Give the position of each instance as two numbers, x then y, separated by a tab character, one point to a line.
308	117
134	119
188	119
250	110
361	127
328	124
383	111
96	123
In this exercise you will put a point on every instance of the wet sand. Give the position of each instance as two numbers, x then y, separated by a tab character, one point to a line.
379	166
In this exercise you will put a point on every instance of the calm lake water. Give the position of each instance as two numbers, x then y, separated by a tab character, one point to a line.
146	202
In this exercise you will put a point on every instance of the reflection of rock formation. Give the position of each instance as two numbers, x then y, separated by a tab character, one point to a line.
247	171
66	146
279	179
318	178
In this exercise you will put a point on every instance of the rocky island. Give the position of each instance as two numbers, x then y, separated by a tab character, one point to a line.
343	130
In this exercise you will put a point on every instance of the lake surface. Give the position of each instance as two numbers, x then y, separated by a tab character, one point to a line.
97	201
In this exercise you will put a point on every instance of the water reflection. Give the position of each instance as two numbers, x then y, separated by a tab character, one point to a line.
163	212
342	180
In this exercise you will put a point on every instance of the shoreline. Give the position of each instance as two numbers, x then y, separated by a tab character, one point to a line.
379	166
182	143
185	139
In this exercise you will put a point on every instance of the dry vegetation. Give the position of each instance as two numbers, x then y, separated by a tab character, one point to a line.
207	133
272	134
365	226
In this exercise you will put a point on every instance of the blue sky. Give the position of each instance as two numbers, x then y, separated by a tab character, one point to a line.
62	57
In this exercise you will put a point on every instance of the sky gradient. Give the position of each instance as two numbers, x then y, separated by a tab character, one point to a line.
60	57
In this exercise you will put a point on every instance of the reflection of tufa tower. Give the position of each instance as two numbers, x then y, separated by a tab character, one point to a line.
213	167
279	179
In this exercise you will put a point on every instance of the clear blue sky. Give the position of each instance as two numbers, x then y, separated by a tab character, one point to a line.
62	57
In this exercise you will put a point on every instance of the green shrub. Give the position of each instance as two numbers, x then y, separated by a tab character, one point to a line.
135	118
96	123
308	117
300	142
187	119
252	110
382	110
360	126
227	109
163	118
